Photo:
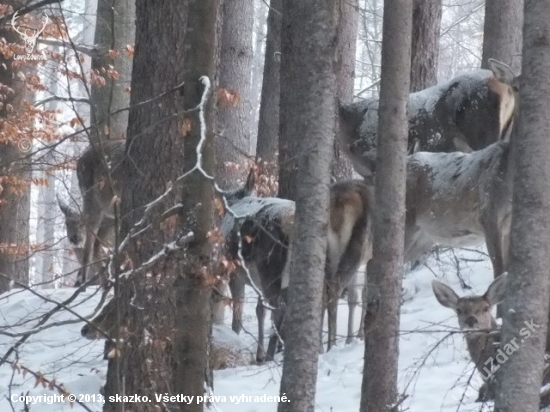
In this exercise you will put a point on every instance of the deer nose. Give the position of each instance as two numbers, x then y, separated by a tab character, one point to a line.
471	321
74	239
85	330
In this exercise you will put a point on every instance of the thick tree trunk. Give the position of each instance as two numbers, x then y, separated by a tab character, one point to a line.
268	124
502	32
115	29
528	289
425	43
345	74
234	112
308	82
379	388
155	160
14	170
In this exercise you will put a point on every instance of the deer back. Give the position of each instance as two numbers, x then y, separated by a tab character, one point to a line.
99	177
468	113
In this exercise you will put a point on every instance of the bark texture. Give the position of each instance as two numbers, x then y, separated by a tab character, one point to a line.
267	147
345	74
194	285
528	288
379	388
146	300
115	29
234	111
14	171
308	82
502	32
425	43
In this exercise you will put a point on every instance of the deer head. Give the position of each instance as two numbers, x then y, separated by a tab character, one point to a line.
73	223
473	312
30	41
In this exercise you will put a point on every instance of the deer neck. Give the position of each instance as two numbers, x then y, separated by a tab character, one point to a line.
482	345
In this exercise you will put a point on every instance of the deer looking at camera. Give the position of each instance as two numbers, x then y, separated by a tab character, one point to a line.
478	324
264	232
468	113
99	176
462	199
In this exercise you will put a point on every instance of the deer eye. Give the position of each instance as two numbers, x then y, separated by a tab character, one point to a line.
486	309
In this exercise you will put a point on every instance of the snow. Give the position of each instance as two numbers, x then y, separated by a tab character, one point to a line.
434	374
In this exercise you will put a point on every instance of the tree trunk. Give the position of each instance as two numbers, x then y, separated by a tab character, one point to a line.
308	82
14	169
115	29
260	24
268	123
345	74
528	289
194	286
502	32
425	43
146	300
234	112
379	388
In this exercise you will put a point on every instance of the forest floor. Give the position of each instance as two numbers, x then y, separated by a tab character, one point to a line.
434	371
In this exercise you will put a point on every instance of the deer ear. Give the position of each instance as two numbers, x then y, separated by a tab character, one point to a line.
502	71
496	291
65	208
250	183
445	294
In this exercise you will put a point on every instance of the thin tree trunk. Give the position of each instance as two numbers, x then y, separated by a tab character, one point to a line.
194	285
345	74
528	289
234	112
14	171
308	82
115	29
425	43
379	388
268	124
502	32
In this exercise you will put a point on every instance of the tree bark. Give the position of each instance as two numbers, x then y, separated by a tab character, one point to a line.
146	300
528	289
345	74
14	168
234	112
194	285
502	32
379	388
425	43
308	82
115	29
268	124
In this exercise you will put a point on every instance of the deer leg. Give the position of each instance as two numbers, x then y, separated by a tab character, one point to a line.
87	255
237	284
260	314
361	333
494	241
352	304
332	309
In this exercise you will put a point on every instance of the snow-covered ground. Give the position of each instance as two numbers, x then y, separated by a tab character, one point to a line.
434	369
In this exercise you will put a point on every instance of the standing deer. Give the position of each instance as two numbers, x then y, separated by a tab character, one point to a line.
478	324
462	199
468	113
265	233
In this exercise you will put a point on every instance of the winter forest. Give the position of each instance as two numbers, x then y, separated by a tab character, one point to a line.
274	205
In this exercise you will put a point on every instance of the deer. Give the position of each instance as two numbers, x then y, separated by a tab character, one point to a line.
462	199
468	113
478	324
262	235
99	175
